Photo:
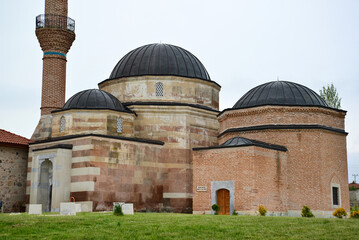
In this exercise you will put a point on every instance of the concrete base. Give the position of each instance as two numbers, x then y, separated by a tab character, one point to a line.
35	209
116	204
67	208
86	206
78	207
127	208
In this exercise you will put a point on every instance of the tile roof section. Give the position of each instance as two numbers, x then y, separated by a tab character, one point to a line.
354	184
11	138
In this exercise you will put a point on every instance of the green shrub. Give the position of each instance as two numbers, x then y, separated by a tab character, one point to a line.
117	211
306	212
354	214
215	208
340	213
352	188
234	213
354	208
262	210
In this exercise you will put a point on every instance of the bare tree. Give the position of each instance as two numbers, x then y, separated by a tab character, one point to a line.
330	96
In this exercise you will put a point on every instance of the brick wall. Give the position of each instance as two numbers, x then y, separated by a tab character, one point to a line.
53	84
316	158
259	177
13	168
58	7
281	115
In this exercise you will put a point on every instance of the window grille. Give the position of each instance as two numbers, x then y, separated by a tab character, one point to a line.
335	191
62	124
159	89
119	125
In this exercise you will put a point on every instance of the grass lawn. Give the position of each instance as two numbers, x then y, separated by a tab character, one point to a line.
173	226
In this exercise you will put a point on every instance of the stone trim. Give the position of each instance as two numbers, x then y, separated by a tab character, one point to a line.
170	104
339	195
141	140
86	186
110	80
84	171
217	185
177	195
58	146
282	127
234	112
93	109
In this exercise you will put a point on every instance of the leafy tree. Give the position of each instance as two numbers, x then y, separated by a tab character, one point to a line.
330	96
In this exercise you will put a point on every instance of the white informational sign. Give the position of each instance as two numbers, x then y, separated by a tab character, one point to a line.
201	189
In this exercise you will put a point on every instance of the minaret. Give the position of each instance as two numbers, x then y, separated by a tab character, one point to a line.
55	32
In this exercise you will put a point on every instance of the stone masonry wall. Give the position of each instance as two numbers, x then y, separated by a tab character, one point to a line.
181	128
93	121
13	168
122	171
175	89
108	170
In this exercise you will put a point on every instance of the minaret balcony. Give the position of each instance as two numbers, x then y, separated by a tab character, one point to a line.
55	21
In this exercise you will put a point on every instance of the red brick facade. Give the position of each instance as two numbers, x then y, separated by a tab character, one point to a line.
315	160
58	7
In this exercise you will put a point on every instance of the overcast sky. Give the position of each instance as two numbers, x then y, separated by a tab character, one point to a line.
241	43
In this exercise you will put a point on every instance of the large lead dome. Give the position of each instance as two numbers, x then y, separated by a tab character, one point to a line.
280	93
160	59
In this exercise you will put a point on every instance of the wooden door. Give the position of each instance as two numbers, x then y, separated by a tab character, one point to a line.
223	202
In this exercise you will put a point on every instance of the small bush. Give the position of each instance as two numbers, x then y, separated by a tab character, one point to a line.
354	214
215	208
118	211
262	210
306	212
354	208
234	213
352	188
340	213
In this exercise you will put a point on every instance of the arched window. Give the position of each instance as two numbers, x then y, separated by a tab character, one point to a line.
159	89
62	124
119	125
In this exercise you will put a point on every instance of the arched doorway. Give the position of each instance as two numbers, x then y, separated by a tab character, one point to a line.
223	202
46	185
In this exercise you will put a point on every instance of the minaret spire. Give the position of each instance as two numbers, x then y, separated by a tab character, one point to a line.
56	33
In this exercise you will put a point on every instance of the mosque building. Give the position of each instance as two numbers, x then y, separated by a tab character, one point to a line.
152	135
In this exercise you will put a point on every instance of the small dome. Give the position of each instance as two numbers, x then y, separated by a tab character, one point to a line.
160	59
94	99
280	93
241	141
237	141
